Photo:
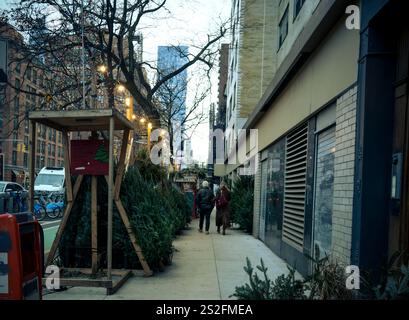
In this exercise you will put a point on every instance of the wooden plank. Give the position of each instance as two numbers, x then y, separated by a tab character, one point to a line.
78	114
68	185
32	159
60	231
121	164
88	271
122	212
129	150
63	223
138	250
83	282
116	284
110	195
77	185
94	224
74	120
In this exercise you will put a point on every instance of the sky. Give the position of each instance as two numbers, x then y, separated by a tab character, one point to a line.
185	22
188	23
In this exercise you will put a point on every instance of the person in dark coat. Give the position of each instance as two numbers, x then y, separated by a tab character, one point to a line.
222	208
205	203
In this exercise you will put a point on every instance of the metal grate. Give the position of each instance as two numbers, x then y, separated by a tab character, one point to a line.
295	187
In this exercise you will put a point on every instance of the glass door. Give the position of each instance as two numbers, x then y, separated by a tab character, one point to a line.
324	191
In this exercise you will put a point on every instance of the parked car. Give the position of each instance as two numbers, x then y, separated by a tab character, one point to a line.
6	186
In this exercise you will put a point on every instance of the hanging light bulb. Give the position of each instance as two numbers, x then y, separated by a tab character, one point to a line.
102	69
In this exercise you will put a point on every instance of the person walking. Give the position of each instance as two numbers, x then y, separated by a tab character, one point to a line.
222	208
205	200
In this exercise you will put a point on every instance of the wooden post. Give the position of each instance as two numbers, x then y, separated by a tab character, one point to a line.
32	159
121	164
63	223
110	196
94	225
66	144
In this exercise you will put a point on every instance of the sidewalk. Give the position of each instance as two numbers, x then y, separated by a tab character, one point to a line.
205	267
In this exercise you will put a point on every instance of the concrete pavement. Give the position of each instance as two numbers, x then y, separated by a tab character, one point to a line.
204	267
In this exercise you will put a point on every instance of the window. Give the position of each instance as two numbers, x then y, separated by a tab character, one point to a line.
15	138
14	158
297	7
15	123
283	28
26	143
324	191
40	80
234	96
16	105
28	73
25	160
35	76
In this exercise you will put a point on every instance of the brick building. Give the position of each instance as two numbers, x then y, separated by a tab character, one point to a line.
23	78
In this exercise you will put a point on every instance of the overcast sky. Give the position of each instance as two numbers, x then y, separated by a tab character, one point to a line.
186	22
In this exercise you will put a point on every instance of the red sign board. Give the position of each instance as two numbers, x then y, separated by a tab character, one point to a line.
89	157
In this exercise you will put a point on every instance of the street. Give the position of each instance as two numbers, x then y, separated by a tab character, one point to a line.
50	228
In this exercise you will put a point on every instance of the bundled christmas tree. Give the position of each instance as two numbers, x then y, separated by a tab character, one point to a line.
156	209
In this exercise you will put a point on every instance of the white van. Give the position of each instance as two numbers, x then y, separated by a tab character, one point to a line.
50	179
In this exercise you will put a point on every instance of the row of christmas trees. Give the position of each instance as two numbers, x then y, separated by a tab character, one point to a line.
156	208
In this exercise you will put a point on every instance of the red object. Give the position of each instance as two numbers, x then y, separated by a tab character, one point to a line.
20	257
89	157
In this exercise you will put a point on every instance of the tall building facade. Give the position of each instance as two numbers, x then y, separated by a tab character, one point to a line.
306	124
251	65
16	100
332	152
217	118
172	95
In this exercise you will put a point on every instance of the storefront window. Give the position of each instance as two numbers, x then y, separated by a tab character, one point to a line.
324	190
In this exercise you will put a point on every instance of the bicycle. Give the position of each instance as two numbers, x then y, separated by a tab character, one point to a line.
53	208
39	211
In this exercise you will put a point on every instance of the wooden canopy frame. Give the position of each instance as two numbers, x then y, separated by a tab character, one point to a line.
89	120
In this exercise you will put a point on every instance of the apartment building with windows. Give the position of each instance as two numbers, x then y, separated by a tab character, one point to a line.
250	67
16	100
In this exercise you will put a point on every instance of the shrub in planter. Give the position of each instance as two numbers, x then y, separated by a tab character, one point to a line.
241	203
285	287
394	284
328	279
